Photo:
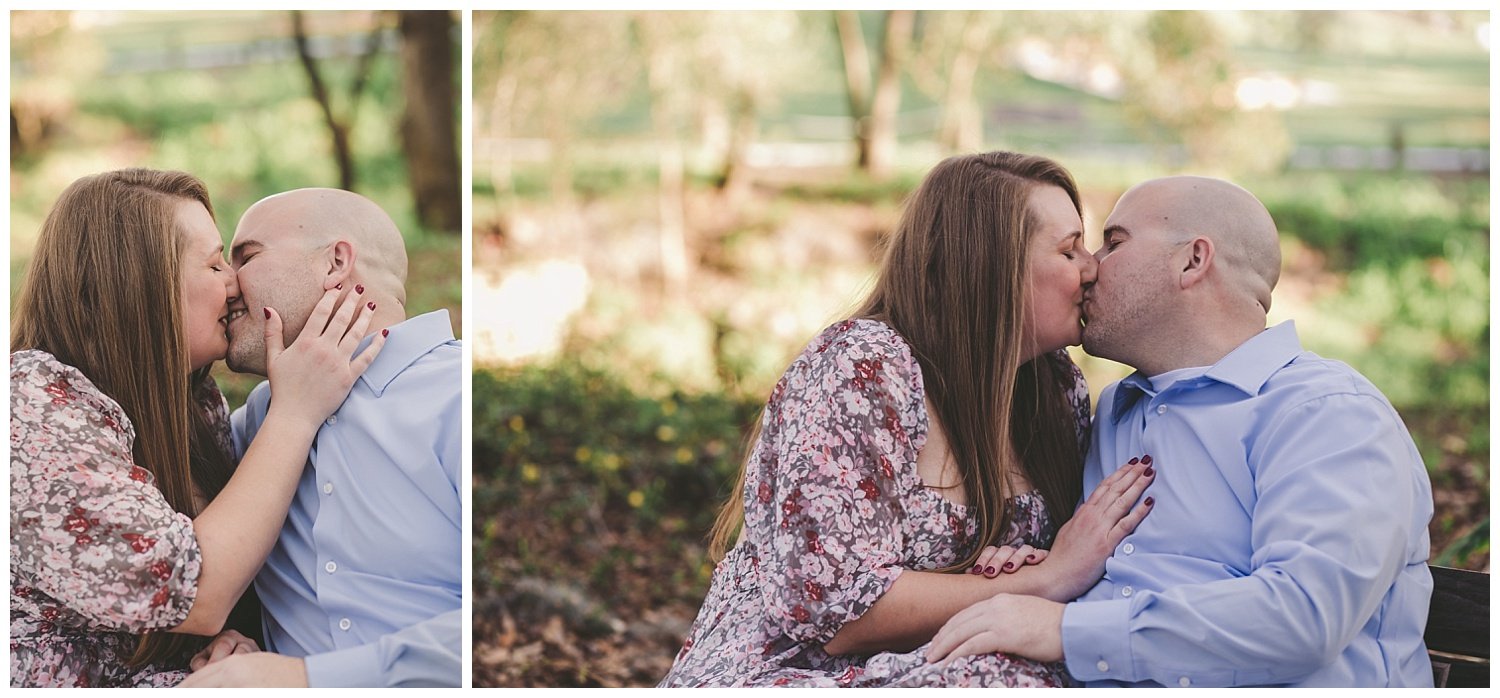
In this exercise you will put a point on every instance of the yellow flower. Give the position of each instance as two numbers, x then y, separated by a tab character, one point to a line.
517	423
636	499
668	407
530	473
583	454
666	433
684	455
611	462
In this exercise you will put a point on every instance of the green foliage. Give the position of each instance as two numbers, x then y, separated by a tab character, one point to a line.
1419	331
860	188
1476	544
577	439
1412	312
1384	220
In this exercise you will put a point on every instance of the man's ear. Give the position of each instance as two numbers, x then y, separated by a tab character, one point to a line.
1197	257
340	264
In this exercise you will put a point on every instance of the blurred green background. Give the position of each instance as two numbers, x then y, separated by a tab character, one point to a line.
668	206
225	96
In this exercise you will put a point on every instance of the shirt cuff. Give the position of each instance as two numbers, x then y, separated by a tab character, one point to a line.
357	666
1096	640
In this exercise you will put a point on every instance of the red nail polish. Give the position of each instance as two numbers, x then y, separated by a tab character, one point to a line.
1030	558
359	288
989	570
1150	501
339	287
977	569
267	312
1010	566
385	333
1146	460
1133	461
370	305
1150	472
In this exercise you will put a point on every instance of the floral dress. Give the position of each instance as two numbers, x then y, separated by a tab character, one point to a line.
97	555
834	512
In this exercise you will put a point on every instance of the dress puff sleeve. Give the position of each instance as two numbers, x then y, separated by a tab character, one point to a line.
824	494
94	543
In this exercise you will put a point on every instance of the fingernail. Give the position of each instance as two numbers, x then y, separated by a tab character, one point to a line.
1150	472
385	333
359	288
1146	460
1030	558
370	305
977	570
339	287
1010	566
1150	501
267	312
989	570
1133	461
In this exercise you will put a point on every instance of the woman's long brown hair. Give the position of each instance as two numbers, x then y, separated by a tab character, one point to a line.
103	294
953	285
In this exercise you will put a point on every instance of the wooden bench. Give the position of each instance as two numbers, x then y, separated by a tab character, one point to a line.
1458	628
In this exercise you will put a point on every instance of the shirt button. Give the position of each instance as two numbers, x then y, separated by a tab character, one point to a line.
1161	409
331	566
1127	591
332	420
1129	547
1102	665
1183	681
344	625
327	488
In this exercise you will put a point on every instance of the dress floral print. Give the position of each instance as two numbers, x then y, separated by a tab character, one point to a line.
96	553
834	512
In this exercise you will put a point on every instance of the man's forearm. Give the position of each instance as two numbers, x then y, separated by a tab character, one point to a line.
426	654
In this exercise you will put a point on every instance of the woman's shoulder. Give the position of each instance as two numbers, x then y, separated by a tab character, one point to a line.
860	354
49	386
858	339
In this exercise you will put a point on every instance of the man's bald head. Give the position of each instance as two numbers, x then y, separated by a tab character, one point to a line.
1243	234
1185	274
318	217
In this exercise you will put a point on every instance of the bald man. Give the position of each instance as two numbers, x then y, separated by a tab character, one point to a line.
1287	544
363	585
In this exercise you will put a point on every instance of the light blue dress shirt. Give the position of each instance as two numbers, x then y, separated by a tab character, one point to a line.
1288	541
365	578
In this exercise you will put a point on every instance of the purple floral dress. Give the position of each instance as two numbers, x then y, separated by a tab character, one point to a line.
834	512
96	553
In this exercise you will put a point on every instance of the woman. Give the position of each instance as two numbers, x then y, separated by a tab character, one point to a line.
942	416
131	528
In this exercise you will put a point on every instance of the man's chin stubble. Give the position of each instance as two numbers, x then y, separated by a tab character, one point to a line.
235	363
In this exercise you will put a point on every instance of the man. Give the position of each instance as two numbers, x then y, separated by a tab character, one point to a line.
1288	540
363	586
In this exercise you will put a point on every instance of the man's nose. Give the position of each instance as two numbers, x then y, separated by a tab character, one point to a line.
1090	268
232	285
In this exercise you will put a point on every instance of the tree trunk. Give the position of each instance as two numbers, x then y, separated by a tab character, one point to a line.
735	180
502	170
336	129
671	233
963	125
429	133
856	60
887	100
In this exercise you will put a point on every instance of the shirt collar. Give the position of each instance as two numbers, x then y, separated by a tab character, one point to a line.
408	341
1247	368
